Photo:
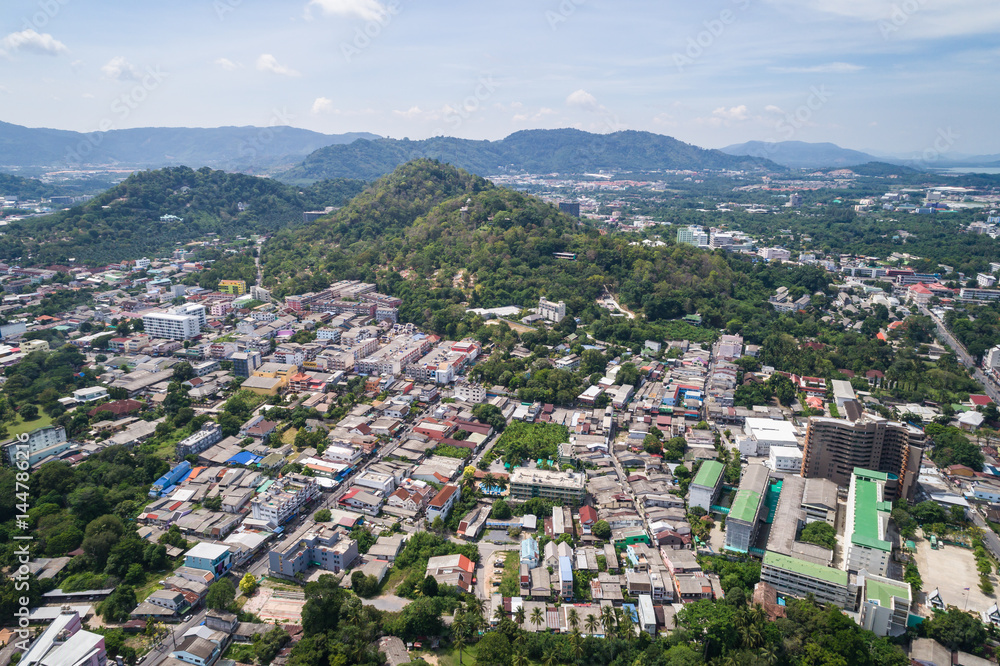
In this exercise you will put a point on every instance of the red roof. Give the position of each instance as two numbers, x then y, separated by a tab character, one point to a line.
980	400
588	515
442	497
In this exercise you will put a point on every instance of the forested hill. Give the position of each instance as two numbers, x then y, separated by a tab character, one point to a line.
410	235
23	188
534	151
124	222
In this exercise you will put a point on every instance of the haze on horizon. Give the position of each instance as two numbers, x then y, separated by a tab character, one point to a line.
887	76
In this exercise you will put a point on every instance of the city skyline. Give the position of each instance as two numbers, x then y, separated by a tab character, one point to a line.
881	76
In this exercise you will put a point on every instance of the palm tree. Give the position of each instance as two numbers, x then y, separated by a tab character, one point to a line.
551	660
537	618
460	644
769	655
477	606
499	614
519	659
489	481
608	620
590	624
576	645
626	625
519	615
573	617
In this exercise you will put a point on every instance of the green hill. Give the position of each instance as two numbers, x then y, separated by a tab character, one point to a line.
124	222
408	232
534	151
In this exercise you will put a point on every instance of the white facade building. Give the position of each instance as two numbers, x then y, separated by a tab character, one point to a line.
181	323
785	459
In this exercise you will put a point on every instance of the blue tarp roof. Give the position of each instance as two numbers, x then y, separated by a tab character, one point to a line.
244	458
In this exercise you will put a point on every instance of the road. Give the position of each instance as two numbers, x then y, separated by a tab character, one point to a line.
990	538
609	298
990	386
163	649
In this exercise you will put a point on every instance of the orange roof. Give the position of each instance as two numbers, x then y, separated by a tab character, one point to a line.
882	336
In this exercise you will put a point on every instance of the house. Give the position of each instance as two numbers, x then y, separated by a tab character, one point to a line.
212	557
443	501
457	570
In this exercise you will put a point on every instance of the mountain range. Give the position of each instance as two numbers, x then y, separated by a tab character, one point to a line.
251	149
568	151
801	155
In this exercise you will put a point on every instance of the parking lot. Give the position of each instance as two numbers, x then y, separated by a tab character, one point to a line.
951	570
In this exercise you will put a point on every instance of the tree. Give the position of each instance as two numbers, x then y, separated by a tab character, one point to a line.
537	618
956	630
429	588
601	529
118	606
628	374
248	584
29	412
323	516
501	510
819	533
494	650
221	595
182	372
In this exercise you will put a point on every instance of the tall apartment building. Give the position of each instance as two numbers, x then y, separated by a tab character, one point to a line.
284	498
866	523
566	487
835	447
692	236
180	323
42	443
245	363
551	311
745	513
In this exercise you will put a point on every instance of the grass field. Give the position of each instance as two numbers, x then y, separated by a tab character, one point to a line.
20	425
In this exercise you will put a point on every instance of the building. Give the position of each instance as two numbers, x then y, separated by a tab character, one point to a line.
704	489
745	513
212	557
692	236
466	392
866	523
885	604
209	434
800	578
843	392
568	487
985	280
835	447
180	323
284	498
441	504
762	434
65	643
41	443
570	208
245	363
785	459
550	311
647	615
456	570
529	552
234	287
323	547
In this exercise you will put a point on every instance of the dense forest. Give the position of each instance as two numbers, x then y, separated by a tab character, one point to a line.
444	240
124	222
534	151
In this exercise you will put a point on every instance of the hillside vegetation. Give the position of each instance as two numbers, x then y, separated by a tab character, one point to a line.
124	222
534	151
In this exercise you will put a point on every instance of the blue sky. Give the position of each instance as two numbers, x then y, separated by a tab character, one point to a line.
881	75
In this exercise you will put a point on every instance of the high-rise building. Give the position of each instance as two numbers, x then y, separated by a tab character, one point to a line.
570	208
866	523
692	236
180	323
552	311
835	447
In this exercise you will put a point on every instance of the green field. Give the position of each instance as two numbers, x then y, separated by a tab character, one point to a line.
21	426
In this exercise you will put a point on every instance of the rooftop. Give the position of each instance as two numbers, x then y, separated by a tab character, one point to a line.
867	523
884	590
708	474
803	568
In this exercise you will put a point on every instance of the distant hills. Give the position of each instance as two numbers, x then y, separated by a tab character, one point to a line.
124	222
231	148
566	151
800	154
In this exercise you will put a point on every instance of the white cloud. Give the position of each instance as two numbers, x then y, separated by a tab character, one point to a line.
228	65
539	115
583	99
827	68
777	110
736	113
33	42
412	112
120	69
323	105
665	120
369	10
268	63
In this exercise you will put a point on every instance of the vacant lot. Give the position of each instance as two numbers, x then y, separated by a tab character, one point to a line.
951	570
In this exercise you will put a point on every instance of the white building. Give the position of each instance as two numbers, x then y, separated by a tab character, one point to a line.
885	604
180	323
785	459
41	444
775	254
692	236
551	311
762	434
66	643
985	280
467	392
992	359
285	498
866	523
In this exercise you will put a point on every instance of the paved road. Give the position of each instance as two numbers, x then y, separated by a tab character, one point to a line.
990	386
990	538
162	650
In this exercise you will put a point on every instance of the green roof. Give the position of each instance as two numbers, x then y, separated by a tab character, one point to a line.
884	591
708	474
871	475
866	515
804	568
745	506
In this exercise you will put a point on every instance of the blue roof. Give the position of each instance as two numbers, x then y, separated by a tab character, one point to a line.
565	568
529	549
244	458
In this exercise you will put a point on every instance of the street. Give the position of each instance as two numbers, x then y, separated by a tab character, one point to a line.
991	388
990	538
165	647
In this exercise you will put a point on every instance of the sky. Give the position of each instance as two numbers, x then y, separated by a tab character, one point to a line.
886	76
